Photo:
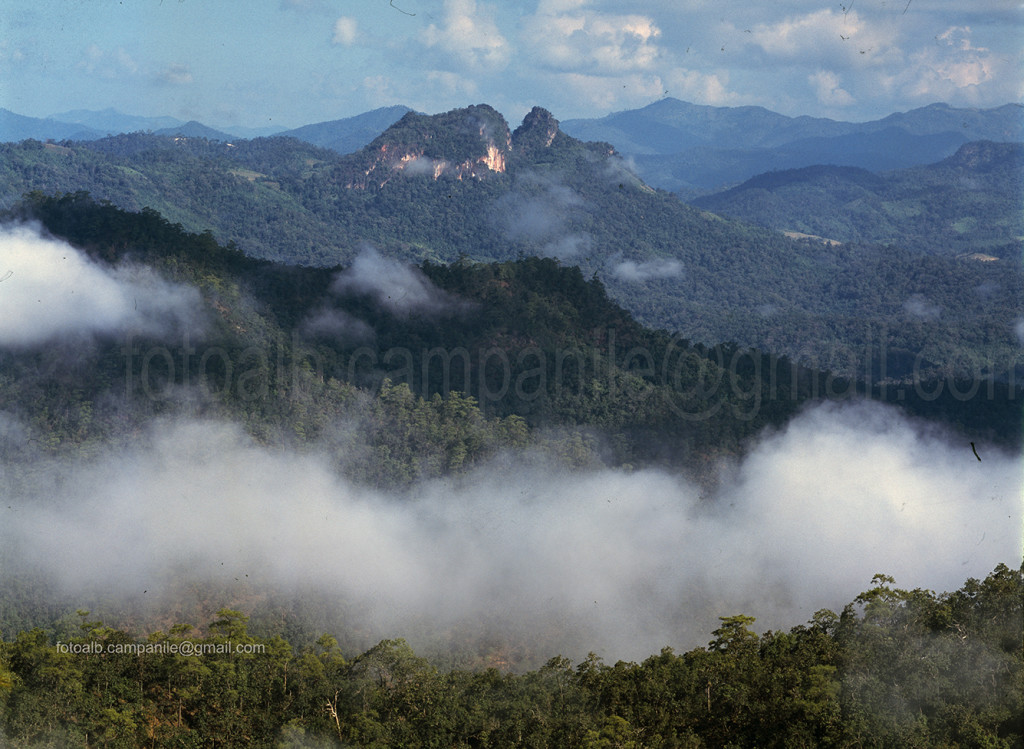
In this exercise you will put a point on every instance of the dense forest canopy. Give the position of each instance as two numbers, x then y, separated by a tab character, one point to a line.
895	668
968	204
296	404
530	340
905	283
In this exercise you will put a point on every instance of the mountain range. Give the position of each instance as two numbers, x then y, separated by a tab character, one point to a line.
343	135
967	204
463	184
674	145
671	126
483	386
691	148
371	450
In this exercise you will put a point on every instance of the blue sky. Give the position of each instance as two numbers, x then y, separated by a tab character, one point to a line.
287	63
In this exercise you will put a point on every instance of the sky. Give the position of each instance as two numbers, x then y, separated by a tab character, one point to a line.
287	63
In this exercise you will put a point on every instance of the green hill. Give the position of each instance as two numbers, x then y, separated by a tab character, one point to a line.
966	204
535	345
437	188
519	348
378	376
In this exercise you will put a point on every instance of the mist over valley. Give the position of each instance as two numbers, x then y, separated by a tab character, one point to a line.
479	375
484	396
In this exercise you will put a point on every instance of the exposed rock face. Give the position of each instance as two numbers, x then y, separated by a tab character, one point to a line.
538	131
462	144
494	159
470	143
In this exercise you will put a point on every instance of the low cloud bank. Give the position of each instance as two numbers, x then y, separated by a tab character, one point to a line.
917	306
543	215
634	272
615	562
338	325
49	291
399	288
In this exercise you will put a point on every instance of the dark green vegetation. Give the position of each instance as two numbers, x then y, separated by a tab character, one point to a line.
515	350
897	668
969	203
505	353
435	375
461	185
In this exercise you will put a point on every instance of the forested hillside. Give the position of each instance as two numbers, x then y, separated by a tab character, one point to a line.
528	339
895	668
463	185
968	204
219	429
526	342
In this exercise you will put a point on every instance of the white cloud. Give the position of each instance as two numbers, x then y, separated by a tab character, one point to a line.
380	89
430	90
541	213
702	88
126	61
794	36
827	36
609	92
177	74
591	41
606	61
337	325
398	287
469	35
918	306
964	64
110	65
52	291
447	83
856	487
624	563
345	31
828	91
10	55
634	272
949	67
93	56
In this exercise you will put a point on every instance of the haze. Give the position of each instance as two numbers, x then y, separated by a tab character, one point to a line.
280	64
616	562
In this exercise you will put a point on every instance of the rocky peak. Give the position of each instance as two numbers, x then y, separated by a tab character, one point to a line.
467	143
985	155
538	131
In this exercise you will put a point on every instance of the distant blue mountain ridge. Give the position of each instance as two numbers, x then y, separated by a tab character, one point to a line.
695	149
343	135
674	145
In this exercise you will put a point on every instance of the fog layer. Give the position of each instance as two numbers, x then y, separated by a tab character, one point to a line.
616	562
50	290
